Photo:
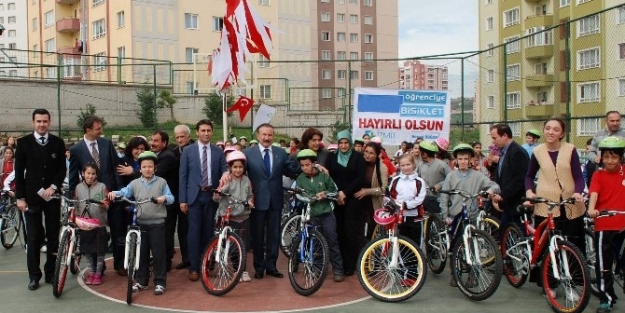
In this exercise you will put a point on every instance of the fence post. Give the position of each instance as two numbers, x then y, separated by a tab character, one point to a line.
155	96
505	83
59	67
567	61
462	99
349	92
119	70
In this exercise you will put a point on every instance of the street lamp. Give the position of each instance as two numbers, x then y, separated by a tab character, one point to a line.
1	29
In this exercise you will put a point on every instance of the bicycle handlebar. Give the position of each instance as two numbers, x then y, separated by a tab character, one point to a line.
76	201
231	199
304	196
464	194
551	203
120	198
609	213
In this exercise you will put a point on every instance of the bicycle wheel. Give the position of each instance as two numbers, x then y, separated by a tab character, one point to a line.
60	267
568	293
591	261
479	280
490	225
516	271
313	260
435	244
222	268
10	227
288	231
130	266
378	232
392	279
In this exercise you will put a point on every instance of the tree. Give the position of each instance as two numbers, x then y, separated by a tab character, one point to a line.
165	100
213	107
336	128
147	107
90	110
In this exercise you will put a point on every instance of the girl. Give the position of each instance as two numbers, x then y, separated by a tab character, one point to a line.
409	189
7	165
93	243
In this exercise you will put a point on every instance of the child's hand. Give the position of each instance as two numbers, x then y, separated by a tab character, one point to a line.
160	200
250	203
112	195
321	195
592	213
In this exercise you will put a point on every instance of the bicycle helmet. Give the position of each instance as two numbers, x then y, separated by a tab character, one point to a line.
428	146
307	154
147	155
442	143
383	216
235	156
359	140
463	147
253	141
220	143
230	149
87	223
377	140
333	147
612	143
242	137
533	132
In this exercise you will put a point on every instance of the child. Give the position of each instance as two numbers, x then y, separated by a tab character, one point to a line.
467	179
93	243
240	188
320	184
606	193
151	219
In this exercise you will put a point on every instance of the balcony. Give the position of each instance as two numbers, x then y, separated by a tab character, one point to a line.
68	25
67	1
530	1
539	20
541	110
539	81
539	52
69	50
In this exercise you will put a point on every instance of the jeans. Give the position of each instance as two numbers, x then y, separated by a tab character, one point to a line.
328	229
201	218
152	239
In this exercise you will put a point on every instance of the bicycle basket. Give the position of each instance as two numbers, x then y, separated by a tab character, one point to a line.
87	223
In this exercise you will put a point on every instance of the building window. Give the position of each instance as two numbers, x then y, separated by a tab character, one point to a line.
121	52
325	55
189	53
341	55
1	20
49	45
354	75
512	45
11	19
326	74
353	18
513	72
12	46
588	92
190	88
582	1
489	2
218	23
515	128
353	37
35	50
368	20
35	24
353	55
3	74
97	2
511	17
11	6
340	37
490	50
99	61
513	100
48	18
341	74
491	76
590	58
368	56
340	17
121	19
265	91
489	23
263	61
12	33
490	102
326	93
541	37
368	3
621	87
325	16
190	21
340	1
12	73
368	75
588	126
353	2
325	36
99	29
50	72
620	16
263	2
541	97
564	3
368	38
325	1
588	26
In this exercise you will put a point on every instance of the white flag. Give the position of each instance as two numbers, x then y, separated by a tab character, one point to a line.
263	115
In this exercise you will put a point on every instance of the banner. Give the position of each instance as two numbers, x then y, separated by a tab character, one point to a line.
264	115
401	115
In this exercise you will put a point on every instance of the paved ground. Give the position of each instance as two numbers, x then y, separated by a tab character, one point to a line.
268	295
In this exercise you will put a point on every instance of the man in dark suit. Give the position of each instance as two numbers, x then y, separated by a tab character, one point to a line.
183	139
510	173
40	165
202	165
101	151
168	169
265	167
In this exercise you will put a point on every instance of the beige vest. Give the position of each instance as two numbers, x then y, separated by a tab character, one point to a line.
555	182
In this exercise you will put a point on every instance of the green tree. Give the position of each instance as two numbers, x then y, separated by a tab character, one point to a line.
336	128
90	110
147	107
213	107
165	100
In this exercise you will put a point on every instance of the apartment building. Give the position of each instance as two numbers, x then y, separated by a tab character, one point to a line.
13	20
530	75
416	75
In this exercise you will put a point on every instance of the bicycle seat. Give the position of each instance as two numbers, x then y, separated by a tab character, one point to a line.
523	209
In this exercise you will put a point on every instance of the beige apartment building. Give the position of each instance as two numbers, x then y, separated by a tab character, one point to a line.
106	35
417	75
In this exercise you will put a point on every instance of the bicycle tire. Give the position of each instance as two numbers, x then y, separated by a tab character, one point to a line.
130	267
10	227
308	280
490	225
435	245
74	264
60	267
391	284
579	274
516	272
476	286
288	231
591	260
378	232
220	278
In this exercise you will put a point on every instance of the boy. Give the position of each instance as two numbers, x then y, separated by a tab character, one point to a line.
151	221
606	193
315	182
467	179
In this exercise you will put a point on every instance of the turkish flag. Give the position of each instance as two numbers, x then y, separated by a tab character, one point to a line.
243	105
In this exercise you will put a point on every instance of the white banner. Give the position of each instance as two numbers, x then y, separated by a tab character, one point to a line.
264	115
401	115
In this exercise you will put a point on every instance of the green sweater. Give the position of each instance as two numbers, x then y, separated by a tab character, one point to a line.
313	185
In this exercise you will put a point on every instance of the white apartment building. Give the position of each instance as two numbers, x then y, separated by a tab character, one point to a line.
14	37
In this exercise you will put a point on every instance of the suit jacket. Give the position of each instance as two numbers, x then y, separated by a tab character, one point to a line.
80	155
190	173
512	178
38	166
167	168
267	187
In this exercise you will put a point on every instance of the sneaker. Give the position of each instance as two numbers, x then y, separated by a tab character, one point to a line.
339	277
245	277
572	296
159	290
89	279
138	287
97	279
604	307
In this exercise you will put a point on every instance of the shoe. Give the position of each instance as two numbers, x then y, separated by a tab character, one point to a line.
572	296
182	265
122	272
194	276
89	280
44	249
159	290
33	285
275	274
259	275
552	294
97	279
604	307
245	277
339	278
453	282
138	287
48	278
408	282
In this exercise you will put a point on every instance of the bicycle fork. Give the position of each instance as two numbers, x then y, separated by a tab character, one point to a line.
72	244
474	244
552	253
137	249
219	256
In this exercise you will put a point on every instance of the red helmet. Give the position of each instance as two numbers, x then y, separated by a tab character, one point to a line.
442	143
383	216
235	156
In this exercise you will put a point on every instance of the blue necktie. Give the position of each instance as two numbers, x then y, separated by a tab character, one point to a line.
267	161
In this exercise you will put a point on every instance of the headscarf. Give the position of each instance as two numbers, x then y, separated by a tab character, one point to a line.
343	157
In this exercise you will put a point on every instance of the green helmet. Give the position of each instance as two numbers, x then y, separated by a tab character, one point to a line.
147	155
428	146
253	141
533	132
359	140
242	137
307	154
463	147
612	143
275	144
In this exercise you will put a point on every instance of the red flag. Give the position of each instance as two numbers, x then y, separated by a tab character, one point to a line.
243	105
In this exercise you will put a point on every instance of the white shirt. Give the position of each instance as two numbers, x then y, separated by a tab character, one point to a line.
208	159
407	192
37	136
262	154
9	180
89	146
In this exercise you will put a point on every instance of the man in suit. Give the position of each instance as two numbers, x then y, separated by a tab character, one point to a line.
168	169
202	165
265	168
101	151
183	139
510	173
40	165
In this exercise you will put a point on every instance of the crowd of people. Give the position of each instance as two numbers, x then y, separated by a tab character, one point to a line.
355	171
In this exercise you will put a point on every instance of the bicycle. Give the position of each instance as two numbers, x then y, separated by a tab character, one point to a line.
563	264
12	225
224	259
474	252
589	241
486	221
391	268
290	224
618	266
132	252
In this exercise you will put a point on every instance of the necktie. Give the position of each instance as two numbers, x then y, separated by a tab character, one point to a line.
95	154
267	161
43	140
204	167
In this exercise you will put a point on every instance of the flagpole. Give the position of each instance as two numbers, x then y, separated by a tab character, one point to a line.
224	117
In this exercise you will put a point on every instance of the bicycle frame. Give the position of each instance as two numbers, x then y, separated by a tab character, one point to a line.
392	229
225	228
133	229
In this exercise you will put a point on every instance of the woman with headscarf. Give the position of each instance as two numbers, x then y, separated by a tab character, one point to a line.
347	168
373	187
